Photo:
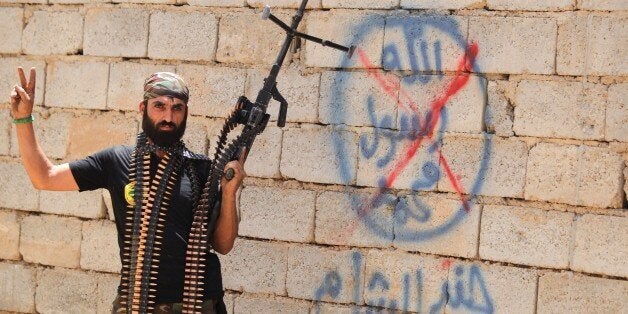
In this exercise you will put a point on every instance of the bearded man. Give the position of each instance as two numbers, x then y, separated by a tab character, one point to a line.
155	187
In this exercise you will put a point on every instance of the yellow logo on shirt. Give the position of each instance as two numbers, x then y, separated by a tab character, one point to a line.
129	193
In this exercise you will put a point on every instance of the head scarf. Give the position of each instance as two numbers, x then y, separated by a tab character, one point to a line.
165	84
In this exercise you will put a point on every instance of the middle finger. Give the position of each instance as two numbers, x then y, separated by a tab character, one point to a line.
23	81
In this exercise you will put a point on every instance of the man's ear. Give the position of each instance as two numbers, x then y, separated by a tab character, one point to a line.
142	106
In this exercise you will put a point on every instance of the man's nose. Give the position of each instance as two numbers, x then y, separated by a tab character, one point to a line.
168	115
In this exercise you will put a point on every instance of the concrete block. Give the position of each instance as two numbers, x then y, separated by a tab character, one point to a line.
126	83
424	43
346	27
606	52
9	235
523	34
312	271
5	131
560	109
353	98
277	214
526	236
107	291
17	291
266	273
195	136
487	166
323	307
245	38
293	4
99	247
499	113
11	29
217	3
147	1
9	77
600	245
16	189
106	196
51	240
494	288
571	293
52	134
603	5
116	32
354	219
571	42
300	90
265	154
361	4
88	204
531	5
213	90
319	155
419	220
91	133
183	35
617	113
247	303
79	1
25	1
463	111
442	4
66	290
403	281
383	151
81	85
53	32
588	176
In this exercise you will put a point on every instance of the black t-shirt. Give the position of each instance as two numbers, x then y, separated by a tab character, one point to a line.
109	169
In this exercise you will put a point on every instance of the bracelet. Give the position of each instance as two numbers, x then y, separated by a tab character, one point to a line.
28	119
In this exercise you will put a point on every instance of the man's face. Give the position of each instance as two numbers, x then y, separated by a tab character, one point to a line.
164	119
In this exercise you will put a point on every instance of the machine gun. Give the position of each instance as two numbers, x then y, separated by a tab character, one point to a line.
254	118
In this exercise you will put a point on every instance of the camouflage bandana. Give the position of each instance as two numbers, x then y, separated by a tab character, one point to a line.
165	84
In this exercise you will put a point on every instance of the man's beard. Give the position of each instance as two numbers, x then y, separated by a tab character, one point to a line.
163	138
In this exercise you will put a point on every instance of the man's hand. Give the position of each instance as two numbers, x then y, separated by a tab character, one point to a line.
231	186
23	97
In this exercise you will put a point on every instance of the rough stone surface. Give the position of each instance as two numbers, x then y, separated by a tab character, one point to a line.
600	245
560	109
487	166
526	236
617	113
508	289
571	44
360	4
99	247
182	35
277	214
606	47
352	219
441	4
116	32
531	5
107	201
499	113
9	235
81	85
9	77
247	303
385	275
263	161
463	111
5	132
16	190
51	240
11	30
217	3
340	26
266	273
195	137
603	5
424	43
571	293
354	98
522	34
300	90
309	155
17	291
53	32
88	204
107	291
109	128
312	4
589	176
52	134
311	271
419	218
245	38
126	83
213	90
66	290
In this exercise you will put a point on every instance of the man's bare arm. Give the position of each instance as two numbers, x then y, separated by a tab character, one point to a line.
42	172
227	224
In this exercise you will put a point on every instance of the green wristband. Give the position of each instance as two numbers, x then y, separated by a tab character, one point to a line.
28	119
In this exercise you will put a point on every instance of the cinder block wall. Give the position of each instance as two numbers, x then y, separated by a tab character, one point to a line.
505	188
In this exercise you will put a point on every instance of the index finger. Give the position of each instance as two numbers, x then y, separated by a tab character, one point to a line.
31	81
20	72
